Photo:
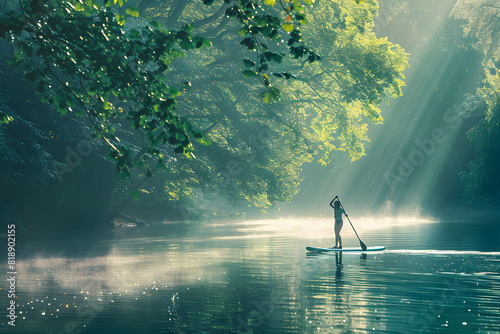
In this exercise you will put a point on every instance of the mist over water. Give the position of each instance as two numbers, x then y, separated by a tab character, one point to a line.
255	276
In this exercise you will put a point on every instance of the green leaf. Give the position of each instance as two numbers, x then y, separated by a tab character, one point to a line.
207	43
248	63
249	73
188	28
313	57
177	54
276	57
174	92
297	6
5	119
186	125
249	43
155	24
273	94
119	2
242	31
266	96
133	11
288	27
269	2
274	34
135	194
205	141
301	18
120	19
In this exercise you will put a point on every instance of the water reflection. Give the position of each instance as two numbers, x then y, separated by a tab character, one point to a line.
216	280
318	228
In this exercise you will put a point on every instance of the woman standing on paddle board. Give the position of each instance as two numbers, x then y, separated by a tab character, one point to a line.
337	213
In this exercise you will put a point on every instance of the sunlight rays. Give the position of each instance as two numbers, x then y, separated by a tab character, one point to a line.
417	143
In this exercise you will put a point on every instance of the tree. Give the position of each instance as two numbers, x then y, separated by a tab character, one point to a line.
327	68
482	184
321	106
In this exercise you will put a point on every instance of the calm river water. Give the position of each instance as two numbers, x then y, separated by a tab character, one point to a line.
256	276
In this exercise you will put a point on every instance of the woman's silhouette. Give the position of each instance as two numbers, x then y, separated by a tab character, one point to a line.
337	213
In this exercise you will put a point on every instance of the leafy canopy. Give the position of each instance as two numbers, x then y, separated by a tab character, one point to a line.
182	91
85	62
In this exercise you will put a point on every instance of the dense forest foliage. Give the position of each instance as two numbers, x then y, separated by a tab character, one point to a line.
482	177
216	100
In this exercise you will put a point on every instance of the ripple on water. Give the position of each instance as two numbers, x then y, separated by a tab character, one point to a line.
227	278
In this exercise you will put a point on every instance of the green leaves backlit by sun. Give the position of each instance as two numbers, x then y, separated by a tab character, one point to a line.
262	88
85	63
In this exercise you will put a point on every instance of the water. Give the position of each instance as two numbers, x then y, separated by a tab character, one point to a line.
255	276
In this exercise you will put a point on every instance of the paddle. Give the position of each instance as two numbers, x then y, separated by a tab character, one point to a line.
361	243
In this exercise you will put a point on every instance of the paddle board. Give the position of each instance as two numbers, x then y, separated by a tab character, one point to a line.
369	249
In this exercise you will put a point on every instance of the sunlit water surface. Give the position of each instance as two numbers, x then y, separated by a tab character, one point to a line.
256	276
